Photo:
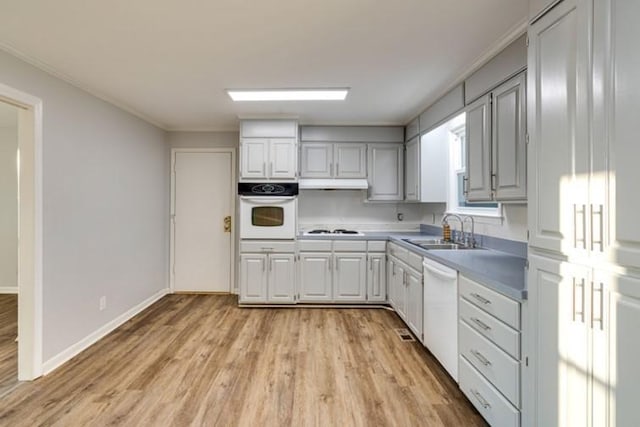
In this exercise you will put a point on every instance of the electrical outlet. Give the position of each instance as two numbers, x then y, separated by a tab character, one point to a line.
103	302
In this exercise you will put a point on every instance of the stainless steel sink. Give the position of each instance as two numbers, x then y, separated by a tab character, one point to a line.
437	244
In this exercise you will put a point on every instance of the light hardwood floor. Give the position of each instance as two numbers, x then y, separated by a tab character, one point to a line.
201	360
8	344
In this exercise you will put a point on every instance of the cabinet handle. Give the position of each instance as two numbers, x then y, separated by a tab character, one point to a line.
264	168
493	182
465	184
600	233
480	357
330	263
270	263
371	263
337	265
330	169
600	318
481	324
481	298
266	249
270	169
393	267
578	312
481	399
337	168
579	240
264	267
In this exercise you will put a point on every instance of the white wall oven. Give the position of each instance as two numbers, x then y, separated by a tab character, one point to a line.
268	210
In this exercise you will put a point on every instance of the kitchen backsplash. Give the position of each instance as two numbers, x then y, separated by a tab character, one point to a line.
348	209
340	208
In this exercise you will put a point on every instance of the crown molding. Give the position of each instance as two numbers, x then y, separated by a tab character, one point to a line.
43	66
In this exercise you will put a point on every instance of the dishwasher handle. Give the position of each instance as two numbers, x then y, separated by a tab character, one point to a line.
447	275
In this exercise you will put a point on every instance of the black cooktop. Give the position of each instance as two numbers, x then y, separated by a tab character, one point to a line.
336	231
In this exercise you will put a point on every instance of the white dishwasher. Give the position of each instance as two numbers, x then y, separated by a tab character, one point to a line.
441	314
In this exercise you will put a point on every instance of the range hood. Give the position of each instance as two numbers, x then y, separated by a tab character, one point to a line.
333	184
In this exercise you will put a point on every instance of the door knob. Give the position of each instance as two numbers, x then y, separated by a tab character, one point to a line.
227	224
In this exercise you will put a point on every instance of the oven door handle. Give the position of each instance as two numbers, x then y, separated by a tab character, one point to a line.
267	200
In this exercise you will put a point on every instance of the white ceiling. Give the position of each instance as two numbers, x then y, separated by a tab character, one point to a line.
170	61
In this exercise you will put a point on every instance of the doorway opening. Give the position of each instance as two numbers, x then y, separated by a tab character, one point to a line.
8	247
25	324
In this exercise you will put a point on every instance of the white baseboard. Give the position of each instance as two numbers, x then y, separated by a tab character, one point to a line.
8	289
72	351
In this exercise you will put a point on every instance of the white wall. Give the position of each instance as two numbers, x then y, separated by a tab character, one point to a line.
105	217
340	208
8	199
202	139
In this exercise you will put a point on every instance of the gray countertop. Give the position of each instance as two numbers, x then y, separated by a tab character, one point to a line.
500	271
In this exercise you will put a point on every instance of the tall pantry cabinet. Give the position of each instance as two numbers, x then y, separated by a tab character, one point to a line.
584	245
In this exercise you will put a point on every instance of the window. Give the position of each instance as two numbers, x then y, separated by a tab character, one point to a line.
457	168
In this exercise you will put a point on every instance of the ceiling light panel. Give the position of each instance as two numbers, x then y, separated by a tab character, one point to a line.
288	94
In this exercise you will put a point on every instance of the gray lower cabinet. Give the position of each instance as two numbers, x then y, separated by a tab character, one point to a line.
314	278
489	344
405	288
350	277
496	152
267	278
341	271
376	277
385	172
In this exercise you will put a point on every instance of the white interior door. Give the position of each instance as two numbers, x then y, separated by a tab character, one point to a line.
202	201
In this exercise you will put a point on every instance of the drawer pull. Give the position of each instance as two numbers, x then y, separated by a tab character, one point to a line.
480	298
480	357
481	399
481	324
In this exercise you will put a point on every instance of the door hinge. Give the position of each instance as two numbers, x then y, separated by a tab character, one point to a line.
527	235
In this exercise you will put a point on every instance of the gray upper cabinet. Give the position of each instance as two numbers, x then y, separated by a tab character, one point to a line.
350	160
496	149
316	160
333	160
477	179
508	144
385	172
412	171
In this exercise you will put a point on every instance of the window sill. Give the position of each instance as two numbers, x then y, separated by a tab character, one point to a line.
495	218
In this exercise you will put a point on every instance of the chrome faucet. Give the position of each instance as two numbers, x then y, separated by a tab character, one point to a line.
444	219
470	241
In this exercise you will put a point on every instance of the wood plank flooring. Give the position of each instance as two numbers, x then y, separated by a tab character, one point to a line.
200	360
8	344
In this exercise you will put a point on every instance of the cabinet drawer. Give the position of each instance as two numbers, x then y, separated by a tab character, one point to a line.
398	252
496	365
350	245
488	401
377	245
491	328
267	246
492	302
415	261
314	245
